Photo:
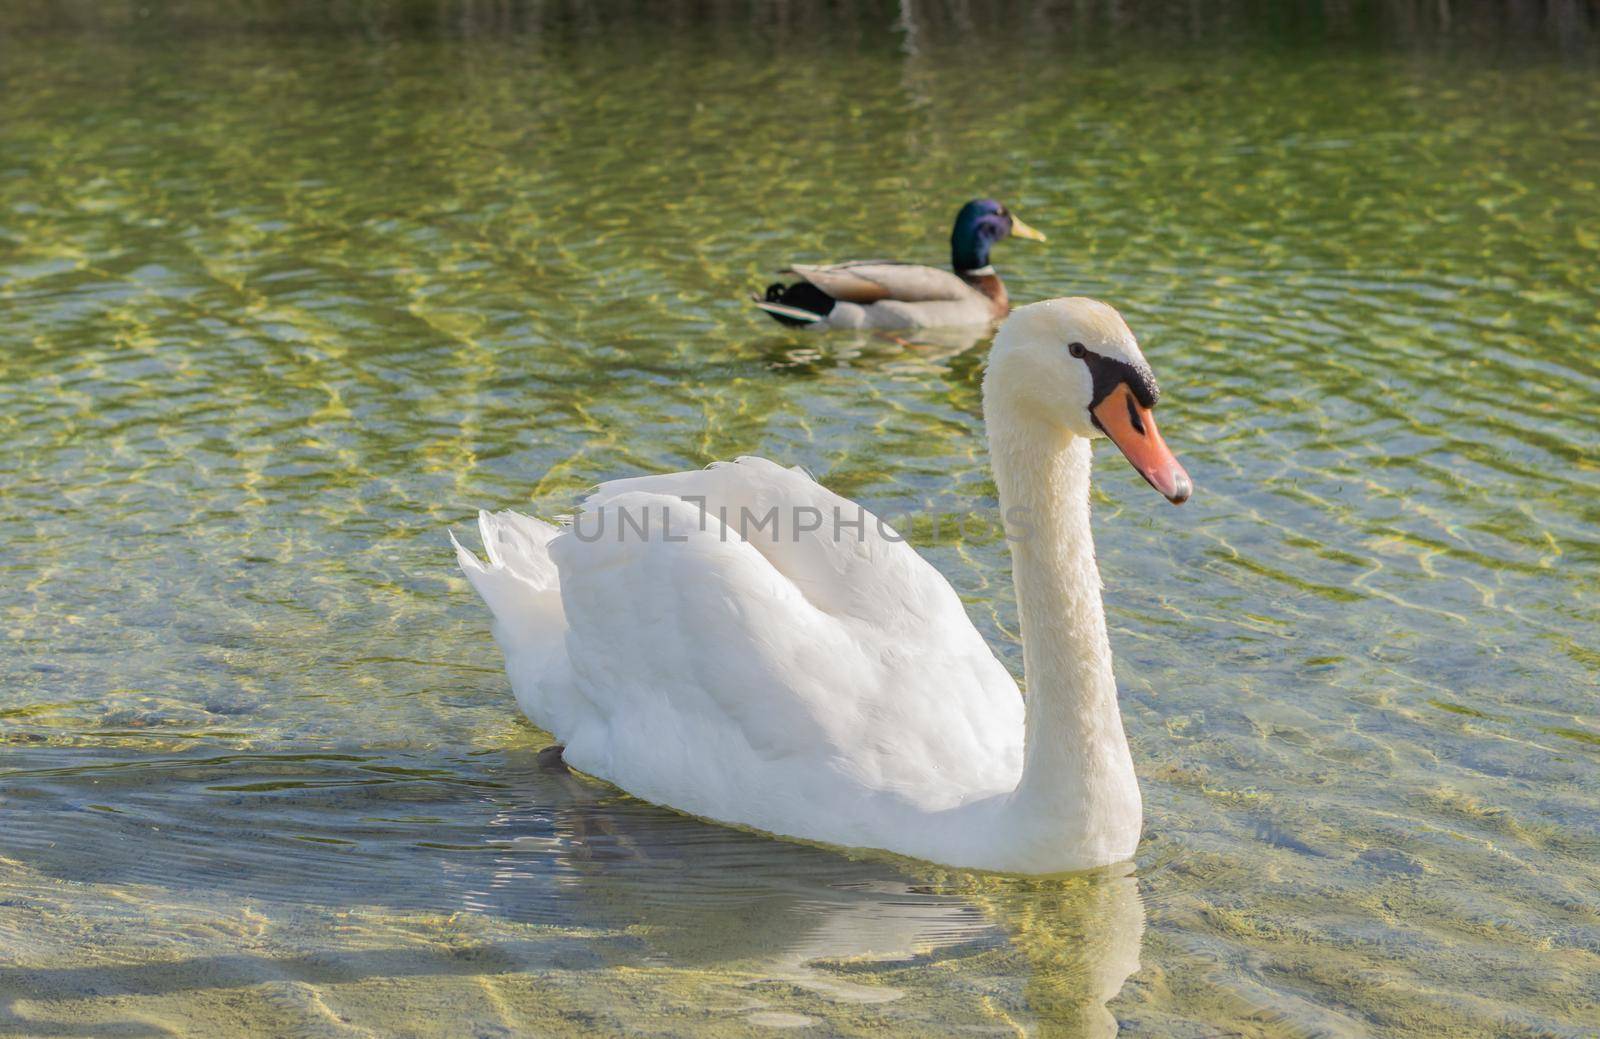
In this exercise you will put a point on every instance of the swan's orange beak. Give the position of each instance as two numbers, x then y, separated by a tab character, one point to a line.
1132	427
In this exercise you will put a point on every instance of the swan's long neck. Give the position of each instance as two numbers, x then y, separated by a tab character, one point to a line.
1077	774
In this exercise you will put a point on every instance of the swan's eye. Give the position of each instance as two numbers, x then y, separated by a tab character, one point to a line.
1076	349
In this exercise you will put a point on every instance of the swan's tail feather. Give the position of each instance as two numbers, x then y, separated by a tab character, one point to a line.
499	587
519	583
520	544
519	567
522	587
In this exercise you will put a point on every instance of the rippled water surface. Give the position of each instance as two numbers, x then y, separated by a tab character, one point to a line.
280	301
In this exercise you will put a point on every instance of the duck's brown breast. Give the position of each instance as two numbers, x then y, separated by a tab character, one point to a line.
993	289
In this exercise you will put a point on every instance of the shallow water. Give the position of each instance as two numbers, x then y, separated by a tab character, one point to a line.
283	300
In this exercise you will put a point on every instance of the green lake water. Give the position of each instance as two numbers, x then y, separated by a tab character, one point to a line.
284	296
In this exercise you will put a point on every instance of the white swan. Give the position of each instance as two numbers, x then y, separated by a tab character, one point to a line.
743	644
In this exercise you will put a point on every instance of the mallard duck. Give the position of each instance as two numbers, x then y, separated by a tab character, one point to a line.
886	294
712	641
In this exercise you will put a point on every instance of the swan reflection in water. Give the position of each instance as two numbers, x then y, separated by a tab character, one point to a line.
501	885
846	930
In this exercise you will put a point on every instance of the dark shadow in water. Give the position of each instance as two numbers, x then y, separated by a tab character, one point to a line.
1570	26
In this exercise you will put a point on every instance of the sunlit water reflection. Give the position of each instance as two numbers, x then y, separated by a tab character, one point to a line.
280	305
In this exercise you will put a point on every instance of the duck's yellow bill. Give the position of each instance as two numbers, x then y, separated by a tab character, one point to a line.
1022	230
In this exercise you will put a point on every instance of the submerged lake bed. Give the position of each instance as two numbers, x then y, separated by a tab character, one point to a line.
289	295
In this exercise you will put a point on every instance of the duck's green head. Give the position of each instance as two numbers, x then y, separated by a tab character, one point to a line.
981	223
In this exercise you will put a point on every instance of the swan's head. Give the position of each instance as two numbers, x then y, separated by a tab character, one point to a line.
981	223
1073	364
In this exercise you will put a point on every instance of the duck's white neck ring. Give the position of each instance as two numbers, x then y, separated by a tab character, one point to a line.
978	272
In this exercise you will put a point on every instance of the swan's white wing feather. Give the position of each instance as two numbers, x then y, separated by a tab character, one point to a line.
693	630
842	558
801	665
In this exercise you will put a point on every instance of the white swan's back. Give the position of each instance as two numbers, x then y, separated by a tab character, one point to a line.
688	639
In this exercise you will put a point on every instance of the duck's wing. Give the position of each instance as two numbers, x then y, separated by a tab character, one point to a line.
872	281
747	656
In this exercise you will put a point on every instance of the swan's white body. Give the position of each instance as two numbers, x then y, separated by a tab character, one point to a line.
826	684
